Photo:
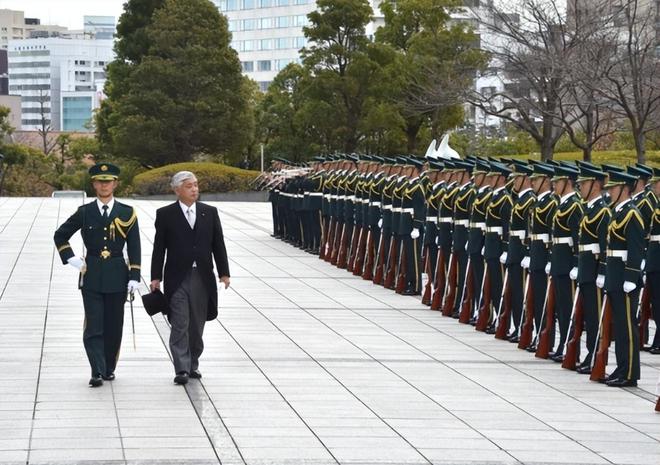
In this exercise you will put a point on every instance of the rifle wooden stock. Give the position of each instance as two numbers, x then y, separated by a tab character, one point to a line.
428	288
343	248
504	318
527	330
577	324
365	241
657	405
332	238
355	247
390	273
452	281
605	333
484	303
438	281
468	295
543	347
324	238
375	271
645	315
401	272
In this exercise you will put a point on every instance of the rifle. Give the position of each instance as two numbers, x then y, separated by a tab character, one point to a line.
657	405
483	304
380	262
428	287
438	280
355	248
329	245
342	255
527	327
336	248
401	270
449	294
465	314
392	260
363	244
543	347
644	315
324	236
603	340
503	321
576	325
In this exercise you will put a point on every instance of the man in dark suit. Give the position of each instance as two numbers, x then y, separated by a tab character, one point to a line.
190	233
106	226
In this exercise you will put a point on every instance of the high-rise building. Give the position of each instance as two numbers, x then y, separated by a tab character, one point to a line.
14	26
100	27
59	80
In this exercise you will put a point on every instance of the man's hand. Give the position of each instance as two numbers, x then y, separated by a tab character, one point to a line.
548	268
503	257
132	286
525	262
225	280
77	263
414	233
573	274
155	284
629	287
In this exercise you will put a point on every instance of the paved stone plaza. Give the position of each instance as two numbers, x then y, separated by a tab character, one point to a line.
306	364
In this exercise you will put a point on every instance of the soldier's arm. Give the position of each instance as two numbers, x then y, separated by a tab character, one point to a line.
64	233
635	243
134	251
574	224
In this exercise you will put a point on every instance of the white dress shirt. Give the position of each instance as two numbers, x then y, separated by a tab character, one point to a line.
191	215
110	204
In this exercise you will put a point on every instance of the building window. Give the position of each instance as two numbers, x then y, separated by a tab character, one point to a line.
266	44
300	42
76	113
281	2
263	65
34	122
247	66
248	5
263	85
281	64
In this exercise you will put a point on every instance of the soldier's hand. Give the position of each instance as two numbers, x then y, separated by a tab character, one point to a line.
600	281
76	262
573	273
629	287
414	233
525	262
132	286
225	280
548	268
380	223
503	257
155	284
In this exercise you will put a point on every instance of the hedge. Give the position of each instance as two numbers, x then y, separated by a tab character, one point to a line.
212	177
615	157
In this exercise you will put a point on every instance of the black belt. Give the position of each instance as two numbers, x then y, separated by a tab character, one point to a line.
105	254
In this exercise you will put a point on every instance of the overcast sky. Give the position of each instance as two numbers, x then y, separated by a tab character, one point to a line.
67	13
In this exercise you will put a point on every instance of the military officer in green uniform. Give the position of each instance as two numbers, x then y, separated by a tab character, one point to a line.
623	277
106	226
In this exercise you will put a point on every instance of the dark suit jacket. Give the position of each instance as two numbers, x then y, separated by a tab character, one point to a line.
184	246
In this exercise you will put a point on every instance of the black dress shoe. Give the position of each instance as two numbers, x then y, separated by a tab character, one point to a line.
195	374
557	358
96	381
410	292
531	348
490	330
514	339
473	321
181	378
109	377
654	350
621	382
584	369
455	315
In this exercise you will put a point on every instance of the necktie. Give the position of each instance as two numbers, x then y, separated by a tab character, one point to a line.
105	211
191	218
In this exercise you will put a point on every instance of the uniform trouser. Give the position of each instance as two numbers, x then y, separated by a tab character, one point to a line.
315	221
495	272
188	307
516	292
477	265
653	284
626	334
413	269
563	286
461	276
387	239
539	284
276	223
104	322
591	300
430	234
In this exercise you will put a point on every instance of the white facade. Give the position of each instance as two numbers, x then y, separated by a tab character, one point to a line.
64	76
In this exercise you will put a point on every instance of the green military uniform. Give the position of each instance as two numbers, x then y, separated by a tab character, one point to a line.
461	219
625	252
653	265
413	214
104	280
433	194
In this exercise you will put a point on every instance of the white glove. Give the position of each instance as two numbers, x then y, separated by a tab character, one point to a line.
642	266
76	262
483	251
414	233
644	279
437	240
466	245
600	281
525	262
132	286
573	273
380	223
548	267
629	287
503	257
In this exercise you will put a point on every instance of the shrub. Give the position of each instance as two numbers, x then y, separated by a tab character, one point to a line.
212	177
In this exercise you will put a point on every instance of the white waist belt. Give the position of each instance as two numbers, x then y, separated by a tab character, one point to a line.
432	219
655	238
350	197
465	223
563	240
495	229
375	204
327	196
316	194
387	207
408	210
396	209
622	254
520	234
593	248
540	237
481	226
445	219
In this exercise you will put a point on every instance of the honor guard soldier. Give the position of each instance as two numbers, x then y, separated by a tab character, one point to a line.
446	212
433	194
386	224
461	219
411	226
540	237
623	277
591	250
652	267
375	215
313	195
564	252
498	216
519	243
106	226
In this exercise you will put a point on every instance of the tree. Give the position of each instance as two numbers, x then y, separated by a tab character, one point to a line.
177	92
531	44
48	142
